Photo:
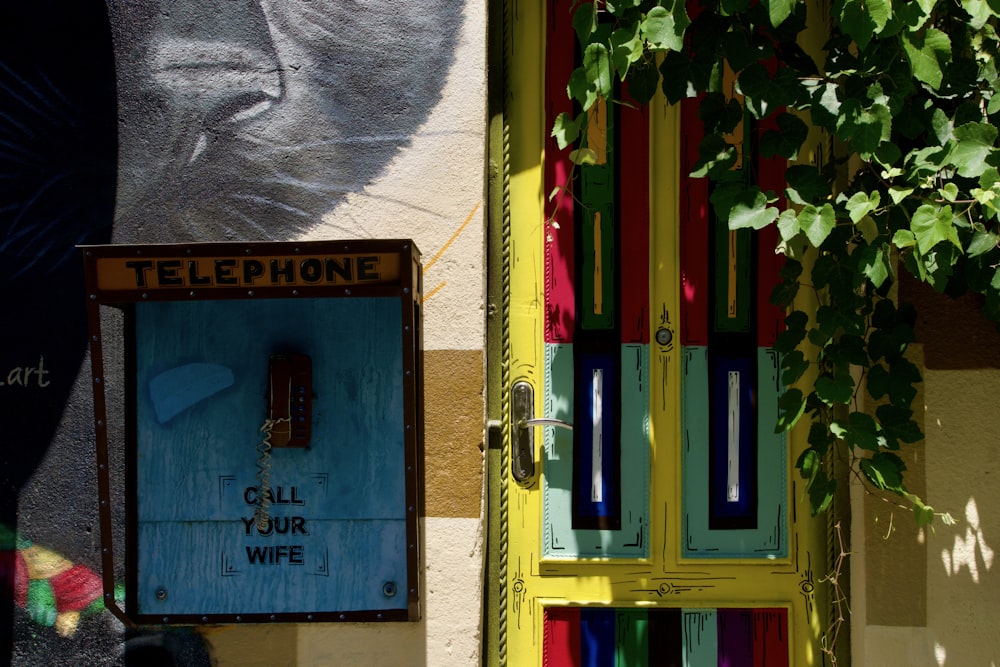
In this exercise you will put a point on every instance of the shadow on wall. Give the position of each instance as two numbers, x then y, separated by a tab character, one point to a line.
227	120
57	185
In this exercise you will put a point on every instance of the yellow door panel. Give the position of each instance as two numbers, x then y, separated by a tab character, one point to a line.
650	515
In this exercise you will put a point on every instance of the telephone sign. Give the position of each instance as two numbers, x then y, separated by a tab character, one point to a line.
273	435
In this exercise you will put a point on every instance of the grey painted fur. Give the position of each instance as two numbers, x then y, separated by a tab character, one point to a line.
245	120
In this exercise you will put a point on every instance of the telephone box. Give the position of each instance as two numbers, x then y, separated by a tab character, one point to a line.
272	429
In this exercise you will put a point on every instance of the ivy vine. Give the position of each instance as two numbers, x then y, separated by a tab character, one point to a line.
907	91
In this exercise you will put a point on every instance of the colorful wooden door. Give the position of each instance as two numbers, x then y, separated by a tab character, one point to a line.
649	512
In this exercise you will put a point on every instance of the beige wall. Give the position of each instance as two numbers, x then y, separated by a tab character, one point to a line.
931	597
433	192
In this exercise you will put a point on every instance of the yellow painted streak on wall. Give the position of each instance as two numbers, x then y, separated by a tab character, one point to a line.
598	268
429	294
429	263
731	291
597	130
453	432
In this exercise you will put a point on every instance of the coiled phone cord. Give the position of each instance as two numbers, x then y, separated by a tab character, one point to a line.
262	513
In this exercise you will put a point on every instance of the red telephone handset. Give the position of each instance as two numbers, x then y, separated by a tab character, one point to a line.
289	400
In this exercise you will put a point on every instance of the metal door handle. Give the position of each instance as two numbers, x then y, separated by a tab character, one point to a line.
546	421
522	437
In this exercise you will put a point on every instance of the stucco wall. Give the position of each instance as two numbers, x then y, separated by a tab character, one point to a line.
231	120
929	597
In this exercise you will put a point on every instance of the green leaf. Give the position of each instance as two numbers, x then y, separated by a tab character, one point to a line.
806	185
642	82
808	464
715	156
583	156
885	471
795	331
904	238
597	67
876	265
974	144
794	365
626	49
898	194
949	192
762	95
677	72
788	224
584	21
878	381
862	431
931	225
915	14
979	12
779	10
663	29
861	204
566	129
880	12
786	140
928	53
580	89
924	515
982	242
864	127
791	405
824	103
856	21
898	425
821	491
820	438
942	125
737	49
743	206
817	223
868	228
833	390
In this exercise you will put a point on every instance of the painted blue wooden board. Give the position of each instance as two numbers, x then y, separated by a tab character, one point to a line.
204	567
196	469
559	539
770	538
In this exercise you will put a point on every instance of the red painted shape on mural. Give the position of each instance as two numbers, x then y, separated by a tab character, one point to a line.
770	176
634	259
694	229
560	296
561	637
21	579
76	588
770	637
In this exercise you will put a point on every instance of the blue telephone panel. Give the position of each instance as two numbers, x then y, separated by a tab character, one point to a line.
335	538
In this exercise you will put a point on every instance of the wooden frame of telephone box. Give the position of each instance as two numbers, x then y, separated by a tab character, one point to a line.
125	275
